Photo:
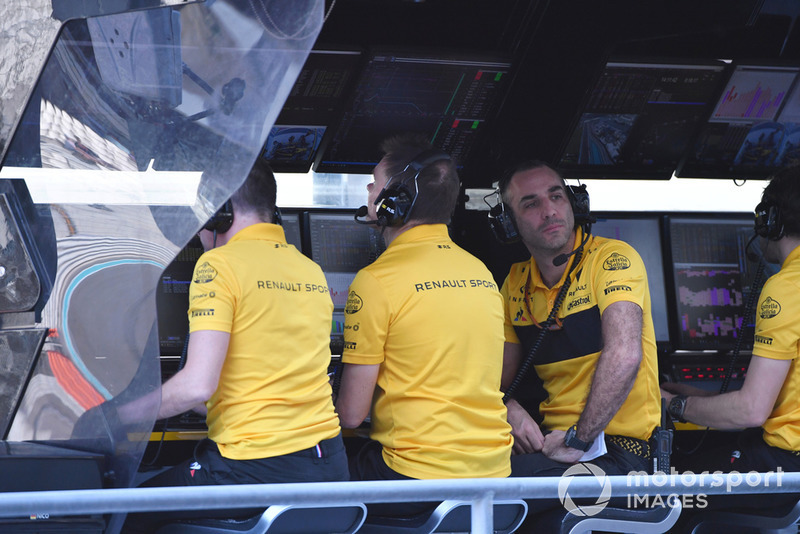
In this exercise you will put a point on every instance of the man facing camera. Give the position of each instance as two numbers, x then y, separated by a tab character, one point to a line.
423	336
580	368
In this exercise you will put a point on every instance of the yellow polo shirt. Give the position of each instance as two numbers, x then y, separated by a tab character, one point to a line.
430	314
273	396
778	337
609	271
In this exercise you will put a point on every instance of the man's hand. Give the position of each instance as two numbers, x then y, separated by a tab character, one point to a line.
670	389
528	437
555	449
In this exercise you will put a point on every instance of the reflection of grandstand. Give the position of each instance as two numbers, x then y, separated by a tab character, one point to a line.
760	147
602	137
789	153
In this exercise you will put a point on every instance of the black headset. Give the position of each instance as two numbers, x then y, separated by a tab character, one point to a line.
396	200
501	218
768	221
222	220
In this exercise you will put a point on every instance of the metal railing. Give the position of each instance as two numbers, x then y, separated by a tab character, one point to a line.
480	492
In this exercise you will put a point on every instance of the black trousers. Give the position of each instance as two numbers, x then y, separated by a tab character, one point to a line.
325	462
545	515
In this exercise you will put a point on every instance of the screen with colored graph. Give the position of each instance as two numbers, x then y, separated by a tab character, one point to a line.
711	276
754	128
449	99
639	118
342	247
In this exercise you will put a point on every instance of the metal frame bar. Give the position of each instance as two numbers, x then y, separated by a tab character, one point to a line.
480	492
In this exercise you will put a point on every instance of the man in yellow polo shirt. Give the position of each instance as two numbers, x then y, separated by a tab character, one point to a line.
259	315
769	400
580	355
423	336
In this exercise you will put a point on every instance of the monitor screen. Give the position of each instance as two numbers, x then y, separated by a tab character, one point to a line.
449	100
291	228
639	119
643	233
342	247
754	128
712	276
172	299
311	109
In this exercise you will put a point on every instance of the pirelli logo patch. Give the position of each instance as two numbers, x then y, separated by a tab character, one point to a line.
204	273
769	308
616	262
616	288
764	340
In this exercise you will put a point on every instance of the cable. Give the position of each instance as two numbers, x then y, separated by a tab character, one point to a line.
551	318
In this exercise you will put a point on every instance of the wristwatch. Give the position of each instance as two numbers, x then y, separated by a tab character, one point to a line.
676	407
571	440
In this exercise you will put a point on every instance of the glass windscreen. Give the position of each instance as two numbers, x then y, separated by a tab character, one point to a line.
140	125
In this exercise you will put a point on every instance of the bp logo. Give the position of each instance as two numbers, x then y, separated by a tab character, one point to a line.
770	308
584	510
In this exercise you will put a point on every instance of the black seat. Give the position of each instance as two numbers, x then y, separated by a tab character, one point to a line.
344	519
653	520
451	516
780	521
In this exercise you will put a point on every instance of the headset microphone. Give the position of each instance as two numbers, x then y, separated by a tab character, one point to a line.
362	212
561	259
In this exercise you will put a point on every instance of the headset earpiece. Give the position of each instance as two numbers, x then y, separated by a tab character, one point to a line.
768	222
394	205
222	220
395	202
579	199
501	221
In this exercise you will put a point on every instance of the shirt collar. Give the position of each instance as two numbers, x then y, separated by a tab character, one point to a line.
422	232
260	231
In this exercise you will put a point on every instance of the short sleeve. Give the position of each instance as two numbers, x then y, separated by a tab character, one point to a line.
620	275
777	333
367	316
212	295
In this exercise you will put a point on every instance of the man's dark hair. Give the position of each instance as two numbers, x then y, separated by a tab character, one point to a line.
438	183
783	192
258	192
528	165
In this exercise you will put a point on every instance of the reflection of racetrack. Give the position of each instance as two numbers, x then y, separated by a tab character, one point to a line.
594	149
110	339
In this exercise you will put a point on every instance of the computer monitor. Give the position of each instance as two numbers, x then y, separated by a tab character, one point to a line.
639	118
711	279
342	247
448	98
172	300
754	128
292	228
643	233
313	107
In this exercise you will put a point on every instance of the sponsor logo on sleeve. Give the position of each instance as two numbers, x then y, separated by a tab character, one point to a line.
764	340
204	273
616	288
769	308
206	312
616	262
354	303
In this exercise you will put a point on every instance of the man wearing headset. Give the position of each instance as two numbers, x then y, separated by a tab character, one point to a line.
260	315
597	357
423	336
769	399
